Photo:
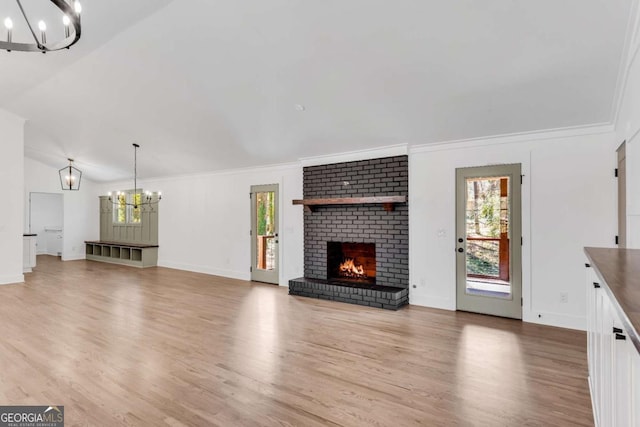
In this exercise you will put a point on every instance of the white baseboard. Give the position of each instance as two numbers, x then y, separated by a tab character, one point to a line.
73	257
593	406
431	302
48	253
12	280
559	320
232	274
549	319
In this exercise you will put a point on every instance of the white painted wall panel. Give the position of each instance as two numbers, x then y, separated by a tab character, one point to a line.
204	220
11	172
568	201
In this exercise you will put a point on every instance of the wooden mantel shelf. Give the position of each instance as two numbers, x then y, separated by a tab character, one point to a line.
388	202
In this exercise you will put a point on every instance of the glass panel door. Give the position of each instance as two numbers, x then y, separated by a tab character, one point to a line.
264	233
488	246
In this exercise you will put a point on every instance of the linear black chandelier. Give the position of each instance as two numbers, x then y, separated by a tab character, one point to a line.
137	200
72	30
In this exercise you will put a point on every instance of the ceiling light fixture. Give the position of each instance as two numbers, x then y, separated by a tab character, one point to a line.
138	199
72	30
70	177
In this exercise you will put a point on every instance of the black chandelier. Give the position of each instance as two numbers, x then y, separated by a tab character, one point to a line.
70	177
72	29
138	199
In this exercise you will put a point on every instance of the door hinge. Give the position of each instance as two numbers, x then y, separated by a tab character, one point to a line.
521	241
521	177
250	232
616	172
250	269
617	240
521	302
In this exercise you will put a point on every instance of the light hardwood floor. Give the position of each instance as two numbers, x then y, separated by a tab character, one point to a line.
118	345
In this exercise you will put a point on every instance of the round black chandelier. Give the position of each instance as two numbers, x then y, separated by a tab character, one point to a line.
70	20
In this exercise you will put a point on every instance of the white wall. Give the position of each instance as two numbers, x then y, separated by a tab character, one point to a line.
81	208
11	173
568	202
204	220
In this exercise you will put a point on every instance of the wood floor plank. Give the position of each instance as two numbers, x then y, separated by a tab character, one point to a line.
123	346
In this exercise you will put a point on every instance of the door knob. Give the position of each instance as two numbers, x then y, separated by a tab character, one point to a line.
460	250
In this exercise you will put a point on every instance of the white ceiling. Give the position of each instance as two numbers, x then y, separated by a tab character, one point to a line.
205	85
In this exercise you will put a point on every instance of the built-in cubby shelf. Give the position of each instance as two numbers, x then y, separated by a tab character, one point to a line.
388	202
122	253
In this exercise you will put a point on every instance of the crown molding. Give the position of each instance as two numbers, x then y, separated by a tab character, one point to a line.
353	156
512	138
238	171
628	57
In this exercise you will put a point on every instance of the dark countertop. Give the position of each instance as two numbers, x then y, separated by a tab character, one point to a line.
619	269
29	235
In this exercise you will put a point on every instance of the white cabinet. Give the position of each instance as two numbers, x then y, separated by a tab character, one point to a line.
29	253
614	362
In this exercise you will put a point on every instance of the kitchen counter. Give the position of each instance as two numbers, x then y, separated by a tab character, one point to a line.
619	270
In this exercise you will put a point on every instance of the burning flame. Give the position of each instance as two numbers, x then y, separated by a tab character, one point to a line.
350	269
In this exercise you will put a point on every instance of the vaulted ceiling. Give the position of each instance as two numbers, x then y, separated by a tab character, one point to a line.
204	85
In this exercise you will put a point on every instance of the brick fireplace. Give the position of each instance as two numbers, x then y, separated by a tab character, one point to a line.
357	252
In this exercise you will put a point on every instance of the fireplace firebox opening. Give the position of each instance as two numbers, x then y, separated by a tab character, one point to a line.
351	262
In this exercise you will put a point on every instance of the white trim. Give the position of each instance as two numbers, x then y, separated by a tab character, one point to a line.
73	257
636	24
514	138
526	206
233	274
559	320
249	169
631	138
628	55
593	403
12	280
431	302
352	156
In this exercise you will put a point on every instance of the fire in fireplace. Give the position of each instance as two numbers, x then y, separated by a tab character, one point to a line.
349	268
351	262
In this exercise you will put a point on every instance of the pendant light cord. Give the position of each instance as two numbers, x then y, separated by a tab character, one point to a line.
135	176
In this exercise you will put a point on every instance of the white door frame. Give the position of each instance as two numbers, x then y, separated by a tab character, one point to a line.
259	274
506	307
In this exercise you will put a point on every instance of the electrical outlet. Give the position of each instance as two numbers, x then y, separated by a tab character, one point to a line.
564	297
